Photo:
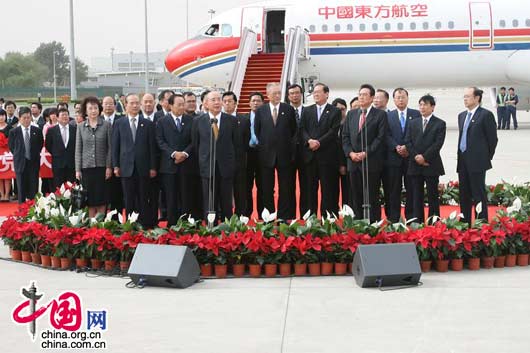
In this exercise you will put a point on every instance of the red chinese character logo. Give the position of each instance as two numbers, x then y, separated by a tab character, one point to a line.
345	12
419	10
326	11
363	11
400	11
383	11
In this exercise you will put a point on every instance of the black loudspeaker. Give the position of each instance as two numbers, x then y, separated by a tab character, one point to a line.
381	265
164	266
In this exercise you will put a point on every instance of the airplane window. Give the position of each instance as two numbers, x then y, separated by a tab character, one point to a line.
515	23
387	26
451	25
374	26
350	27
312	28
438	25
413	25
400	26
362	27
324	28
213	30
502	23
226	30
425	25
337	28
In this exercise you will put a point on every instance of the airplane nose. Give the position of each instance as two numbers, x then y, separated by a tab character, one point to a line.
196	52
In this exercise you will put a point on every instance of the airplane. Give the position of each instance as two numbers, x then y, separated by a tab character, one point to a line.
409	43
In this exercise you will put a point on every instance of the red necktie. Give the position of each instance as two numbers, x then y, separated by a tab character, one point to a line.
362	120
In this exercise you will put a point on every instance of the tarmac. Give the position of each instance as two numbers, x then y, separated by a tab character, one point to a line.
483	311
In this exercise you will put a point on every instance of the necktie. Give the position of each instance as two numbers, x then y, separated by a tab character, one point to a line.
215	128
402	121
27	145
133	129
179	124
63	134
463	140
363	119
425	121
319	113
274	115
297	115
253	139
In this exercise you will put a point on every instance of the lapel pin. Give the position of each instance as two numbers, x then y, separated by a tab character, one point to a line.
282	113
327	111
141	125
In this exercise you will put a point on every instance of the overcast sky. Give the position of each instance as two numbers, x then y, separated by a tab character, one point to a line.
103	24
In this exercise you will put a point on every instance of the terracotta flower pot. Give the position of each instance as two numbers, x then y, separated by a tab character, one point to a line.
238	270
109	265
300	269
457	264
425	266
46	260
220	271
271	270
522	260
326	268
487	261
350	267
473	264
285	270
65	263
511	260
442	265
95	264
56	262
254	270
16	255
500	261
206	270
26	256
314	269
81	263
340	269
35	258
124	266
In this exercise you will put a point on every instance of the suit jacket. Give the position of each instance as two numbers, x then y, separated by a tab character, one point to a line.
325	131
225	145
428	143
169	140
375	128
62	157
14	121
41	122
159	115
243	138
16	146
276	144
395	136
481	140
127	154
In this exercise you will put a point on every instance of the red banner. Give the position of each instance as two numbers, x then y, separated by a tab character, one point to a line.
7	167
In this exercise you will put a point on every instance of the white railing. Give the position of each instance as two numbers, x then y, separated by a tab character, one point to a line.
247	47
297	48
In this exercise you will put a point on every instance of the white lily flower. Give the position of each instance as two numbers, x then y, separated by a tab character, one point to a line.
517	204
211	217
346	211
62	189
411	220
378	224
243	219
120	218
74	220
435	218
307	215
51	196
292	222
133	217
111	214
478	207
452	215
62	211
265	214
67	194
54	212
93	221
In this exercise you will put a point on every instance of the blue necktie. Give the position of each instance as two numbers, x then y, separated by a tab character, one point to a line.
179	125
463	140
402	121
319	113
253	139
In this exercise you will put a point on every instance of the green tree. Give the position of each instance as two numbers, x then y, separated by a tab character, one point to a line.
44	54
19	70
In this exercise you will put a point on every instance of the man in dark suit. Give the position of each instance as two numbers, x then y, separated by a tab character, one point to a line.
275	127
163	100
243	136
10	108
397	158
253	167
319	129
36	115
60	143
363	141
295	95
214	140
133	159
25	142
477	140
173	135
424	140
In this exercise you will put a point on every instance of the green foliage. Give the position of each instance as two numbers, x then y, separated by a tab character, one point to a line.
18	70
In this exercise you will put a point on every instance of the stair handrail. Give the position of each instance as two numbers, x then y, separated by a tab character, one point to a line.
296	48
247	46
287	59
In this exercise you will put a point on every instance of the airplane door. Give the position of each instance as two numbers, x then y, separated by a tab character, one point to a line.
252	18
480	31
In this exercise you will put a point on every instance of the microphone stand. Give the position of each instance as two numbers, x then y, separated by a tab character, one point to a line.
211	180
364	169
